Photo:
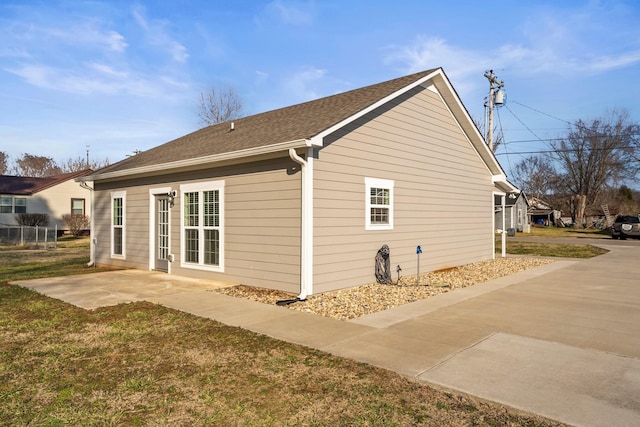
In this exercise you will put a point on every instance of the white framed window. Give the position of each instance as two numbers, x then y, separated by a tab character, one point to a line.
20	205
202	227
6	204
15	205
118	224
77	206
519	216
379	204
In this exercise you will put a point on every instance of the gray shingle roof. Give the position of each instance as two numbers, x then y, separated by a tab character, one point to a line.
292	123
26	185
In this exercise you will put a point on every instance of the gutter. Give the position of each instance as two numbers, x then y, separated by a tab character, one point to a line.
306	239
200	162
92	246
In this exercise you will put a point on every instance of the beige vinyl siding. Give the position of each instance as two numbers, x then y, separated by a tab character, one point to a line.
261	223
442	194
136	228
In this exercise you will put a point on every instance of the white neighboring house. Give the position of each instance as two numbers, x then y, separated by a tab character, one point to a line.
54	195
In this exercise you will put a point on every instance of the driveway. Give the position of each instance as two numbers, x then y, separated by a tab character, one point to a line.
564	344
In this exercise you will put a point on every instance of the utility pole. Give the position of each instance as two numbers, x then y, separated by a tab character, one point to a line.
494	84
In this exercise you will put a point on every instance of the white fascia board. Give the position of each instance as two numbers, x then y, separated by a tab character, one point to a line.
501	181
317	139
198	161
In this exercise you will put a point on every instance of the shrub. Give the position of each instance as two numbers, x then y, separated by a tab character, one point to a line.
76	224
33	219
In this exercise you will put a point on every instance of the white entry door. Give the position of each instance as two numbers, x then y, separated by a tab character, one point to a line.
161	243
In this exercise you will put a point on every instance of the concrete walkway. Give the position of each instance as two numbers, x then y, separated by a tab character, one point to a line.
561	340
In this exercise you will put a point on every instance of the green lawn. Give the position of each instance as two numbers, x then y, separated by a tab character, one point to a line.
142	364
565	232
562	250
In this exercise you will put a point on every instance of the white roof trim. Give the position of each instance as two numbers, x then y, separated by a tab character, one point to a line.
186	163
501	181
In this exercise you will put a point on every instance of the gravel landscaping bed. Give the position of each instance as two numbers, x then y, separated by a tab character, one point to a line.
361	300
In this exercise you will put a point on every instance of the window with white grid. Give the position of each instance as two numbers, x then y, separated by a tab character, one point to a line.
379	204
118	223
202	225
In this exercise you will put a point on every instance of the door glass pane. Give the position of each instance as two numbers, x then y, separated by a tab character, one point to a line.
163	229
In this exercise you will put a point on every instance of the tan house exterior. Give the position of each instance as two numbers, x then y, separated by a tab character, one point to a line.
300	199
54	196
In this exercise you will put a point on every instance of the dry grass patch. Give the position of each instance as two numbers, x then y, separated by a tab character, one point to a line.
142	364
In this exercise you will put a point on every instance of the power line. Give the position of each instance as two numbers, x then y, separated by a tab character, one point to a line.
542	112
576	124
527	127
563	138
503	141
567	150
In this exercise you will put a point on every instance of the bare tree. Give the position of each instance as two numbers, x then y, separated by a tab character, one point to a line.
36	166
219	105
594	155
536	176
80	163
498	136
4	163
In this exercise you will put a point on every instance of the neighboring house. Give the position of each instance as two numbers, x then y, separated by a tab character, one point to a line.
515	211
301	198
53	195
541	213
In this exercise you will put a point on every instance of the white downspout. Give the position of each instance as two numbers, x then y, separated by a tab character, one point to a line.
504	227
92	245
306	261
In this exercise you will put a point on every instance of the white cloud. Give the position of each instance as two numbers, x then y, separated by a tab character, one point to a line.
116	41
108	70
95	78
261	77
300	14
300	84
606	63
13	52
554	42
158	35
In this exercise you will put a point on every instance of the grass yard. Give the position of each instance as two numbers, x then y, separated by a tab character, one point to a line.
547	249
142	364
562	250
566	232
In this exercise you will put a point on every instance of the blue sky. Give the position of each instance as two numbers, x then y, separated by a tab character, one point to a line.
119	76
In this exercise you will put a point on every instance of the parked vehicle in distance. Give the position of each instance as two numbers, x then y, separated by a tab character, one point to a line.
626	226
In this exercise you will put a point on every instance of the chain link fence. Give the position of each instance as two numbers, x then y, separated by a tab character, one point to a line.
34	237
